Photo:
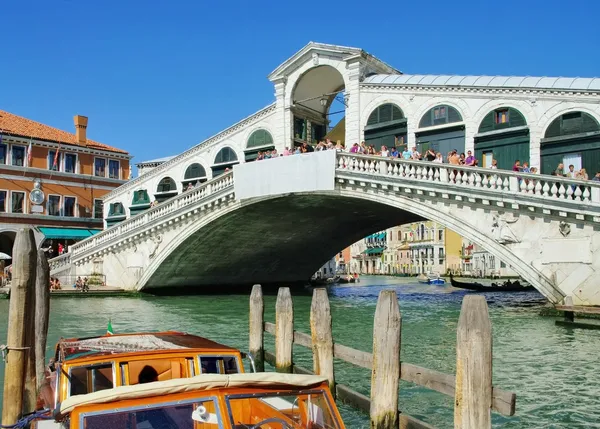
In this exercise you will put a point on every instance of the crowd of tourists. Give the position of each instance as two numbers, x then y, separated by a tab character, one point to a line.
452	157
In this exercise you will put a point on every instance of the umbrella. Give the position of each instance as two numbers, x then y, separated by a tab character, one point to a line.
4	256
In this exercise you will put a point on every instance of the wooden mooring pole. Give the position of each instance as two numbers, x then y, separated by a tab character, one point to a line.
42	315
284	330
22	289
473	393
322	337
256	341
385	377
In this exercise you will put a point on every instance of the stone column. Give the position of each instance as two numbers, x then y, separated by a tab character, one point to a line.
281	130
352	91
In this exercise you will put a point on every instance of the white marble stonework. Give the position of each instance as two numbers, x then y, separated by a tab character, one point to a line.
519	221
268	232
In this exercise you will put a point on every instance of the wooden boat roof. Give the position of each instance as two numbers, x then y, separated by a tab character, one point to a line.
73	348
197	383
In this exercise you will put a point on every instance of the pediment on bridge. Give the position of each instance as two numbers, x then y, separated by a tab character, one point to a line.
313	51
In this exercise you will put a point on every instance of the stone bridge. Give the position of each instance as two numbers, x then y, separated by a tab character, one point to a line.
278	220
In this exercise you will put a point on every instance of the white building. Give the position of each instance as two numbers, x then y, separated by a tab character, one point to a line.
542	120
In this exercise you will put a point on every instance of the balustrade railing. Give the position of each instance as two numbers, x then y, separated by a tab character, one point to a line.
167	207
538	185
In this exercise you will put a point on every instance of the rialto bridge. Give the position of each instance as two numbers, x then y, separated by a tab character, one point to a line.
278	220
247	228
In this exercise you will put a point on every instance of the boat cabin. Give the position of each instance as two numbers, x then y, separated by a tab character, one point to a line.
87	365
213	401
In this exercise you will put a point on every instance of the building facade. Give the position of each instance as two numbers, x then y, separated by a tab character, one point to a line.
54	180
477	262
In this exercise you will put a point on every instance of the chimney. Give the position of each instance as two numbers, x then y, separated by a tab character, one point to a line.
80	128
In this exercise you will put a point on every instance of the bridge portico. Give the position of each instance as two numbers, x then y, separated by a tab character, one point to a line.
279	220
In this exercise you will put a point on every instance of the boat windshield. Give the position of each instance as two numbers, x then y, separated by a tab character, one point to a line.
196	414
292	410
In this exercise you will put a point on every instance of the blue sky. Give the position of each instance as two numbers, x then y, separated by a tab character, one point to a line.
156	77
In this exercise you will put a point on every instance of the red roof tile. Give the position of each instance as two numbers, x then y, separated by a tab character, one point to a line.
13	124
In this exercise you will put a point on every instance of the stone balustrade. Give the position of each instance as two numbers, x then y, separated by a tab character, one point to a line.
145	219
570	191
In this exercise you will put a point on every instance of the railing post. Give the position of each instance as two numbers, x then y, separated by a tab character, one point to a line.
595	194
19	316
473	393
322	338
444	176
284	330
513	183
256	341
385	377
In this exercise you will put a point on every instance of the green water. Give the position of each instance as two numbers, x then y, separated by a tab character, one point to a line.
554	371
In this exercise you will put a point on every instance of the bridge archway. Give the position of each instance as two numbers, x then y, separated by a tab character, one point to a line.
386	126
194	173
282	239
503	136
225	159
448	131
571	138
259	141
7	241
166	188
318	106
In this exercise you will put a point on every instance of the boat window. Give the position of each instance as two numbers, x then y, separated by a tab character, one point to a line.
161	369
218	364
199	414
307	410
88	379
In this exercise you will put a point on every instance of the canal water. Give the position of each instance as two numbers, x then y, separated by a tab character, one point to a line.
554	371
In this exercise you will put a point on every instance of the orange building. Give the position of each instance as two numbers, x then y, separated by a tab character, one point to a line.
54	180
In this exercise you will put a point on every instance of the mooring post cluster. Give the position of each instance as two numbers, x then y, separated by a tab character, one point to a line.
27	328
471	387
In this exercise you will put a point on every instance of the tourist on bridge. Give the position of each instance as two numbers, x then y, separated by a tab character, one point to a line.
470	161
560	170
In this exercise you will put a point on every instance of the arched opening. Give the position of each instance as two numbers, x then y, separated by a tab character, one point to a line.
7	241
448	134
386	126
116	214
194	174
319	107
259	141
572	139
503	136
139	202
167	188
226	158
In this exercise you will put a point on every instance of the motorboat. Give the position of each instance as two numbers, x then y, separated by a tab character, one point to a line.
506	286
211	401
82	366
431	279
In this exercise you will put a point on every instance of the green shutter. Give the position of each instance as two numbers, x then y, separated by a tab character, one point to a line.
259	138
515	119
572	123
385	113
225	155
194	171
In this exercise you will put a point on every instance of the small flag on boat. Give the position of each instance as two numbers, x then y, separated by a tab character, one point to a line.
109	329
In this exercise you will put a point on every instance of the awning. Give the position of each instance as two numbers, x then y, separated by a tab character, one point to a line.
68	233
374	251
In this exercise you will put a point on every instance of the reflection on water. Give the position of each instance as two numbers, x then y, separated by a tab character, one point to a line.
554	371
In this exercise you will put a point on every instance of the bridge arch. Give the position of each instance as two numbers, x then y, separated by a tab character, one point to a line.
259	140
224	160
165	189
440	128
267	250
386	125
572	138
503	136
193	174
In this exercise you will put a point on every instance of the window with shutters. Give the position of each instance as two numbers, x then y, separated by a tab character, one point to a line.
385	113
226	155
572	123
502	118
259	138
194	172
116	209
440	115
166	185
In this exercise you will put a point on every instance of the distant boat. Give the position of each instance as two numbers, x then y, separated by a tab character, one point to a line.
507	286
431	279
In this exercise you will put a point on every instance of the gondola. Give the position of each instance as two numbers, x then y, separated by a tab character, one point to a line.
507	286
